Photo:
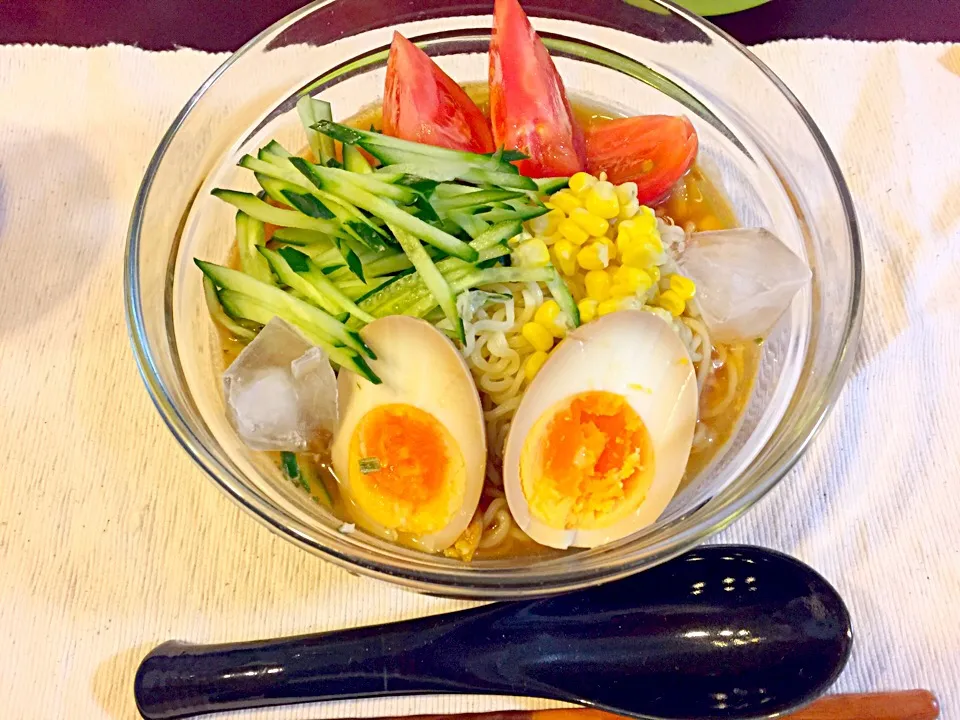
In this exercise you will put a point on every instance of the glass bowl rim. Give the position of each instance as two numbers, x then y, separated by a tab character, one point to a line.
489	583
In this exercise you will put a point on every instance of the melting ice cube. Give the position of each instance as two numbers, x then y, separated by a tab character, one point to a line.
281	391
745	280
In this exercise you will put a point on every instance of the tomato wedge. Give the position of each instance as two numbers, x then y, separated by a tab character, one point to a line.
423	104
529	110
654	151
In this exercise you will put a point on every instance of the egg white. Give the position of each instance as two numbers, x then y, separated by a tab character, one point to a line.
634	354
418	366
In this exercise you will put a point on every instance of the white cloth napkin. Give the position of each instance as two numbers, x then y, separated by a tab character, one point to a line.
112	541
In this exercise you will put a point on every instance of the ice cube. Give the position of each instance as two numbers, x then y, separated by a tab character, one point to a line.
281	391
746	279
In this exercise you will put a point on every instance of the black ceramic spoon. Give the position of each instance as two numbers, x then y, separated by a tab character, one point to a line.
721	632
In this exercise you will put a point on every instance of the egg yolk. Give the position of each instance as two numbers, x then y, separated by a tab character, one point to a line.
587	462
406	471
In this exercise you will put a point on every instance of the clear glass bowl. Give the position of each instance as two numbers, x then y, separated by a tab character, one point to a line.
635	56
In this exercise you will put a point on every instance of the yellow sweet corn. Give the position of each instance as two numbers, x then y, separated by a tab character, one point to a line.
626	193
684	287
654	273
531	253
640	255
628	210
671	302
533	364
601	200
595	226
547	224
566	201
594	256
598	284
549	316
608	306
538	336
610	245
588	309
573	232
630	281
581	182
564	253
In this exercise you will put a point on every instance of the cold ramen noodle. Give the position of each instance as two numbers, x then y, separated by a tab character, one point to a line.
491	329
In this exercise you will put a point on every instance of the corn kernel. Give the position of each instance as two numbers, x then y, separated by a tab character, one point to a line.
654	273
532	253
684	287
581	182
597	284
645	221
538	336
565	253
610	245
671	302
628	210
547	314
547	224
588	309
601	200
533	364
594	256
608	306
566	201
573	232
640	255
594	225
549	240
626	193
630	281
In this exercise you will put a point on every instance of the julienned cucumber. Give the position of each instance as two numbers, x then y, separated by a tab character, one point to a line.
548	186
331	180
434	280
260	210
254	309
384	146
561	293
478	198
322	322
312	111
219	316
353	159
489	276
250	235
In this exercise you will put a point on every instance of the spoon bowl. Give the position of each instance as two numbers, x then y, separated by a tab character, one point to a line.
720	632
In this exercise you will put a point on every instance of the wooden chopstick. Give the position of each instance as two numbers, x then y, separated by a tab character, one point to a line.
896	705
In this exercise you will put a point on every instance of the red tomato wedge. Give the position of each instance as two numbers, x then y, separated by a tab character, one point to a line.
423	104
528	105
654	151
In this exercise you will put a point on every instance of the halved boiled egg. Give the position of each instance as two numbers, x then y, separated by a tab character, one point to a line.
601	439
410	453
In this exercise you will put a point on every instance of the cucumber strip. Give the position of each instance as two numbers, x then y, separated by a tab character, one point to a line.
497	234
322	323
313	481
312	111
275	148
295	196
353	159
369	183
314	285
497	215
548	186
288	173
476	278
378	144
471	224
477	198
477	176
295	236
254	309
250	236
449	190
288	276
291	468
219	316
561	293
331	180
260	210
434	280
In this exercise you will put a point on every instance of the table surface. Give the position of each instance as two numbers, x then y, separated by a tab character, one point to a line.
224	25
